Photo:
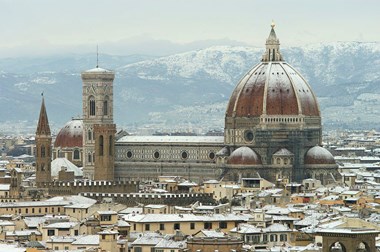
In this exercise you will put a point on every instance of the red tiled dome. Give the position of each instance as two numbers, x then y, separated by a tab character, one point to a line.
244	156
319	155
71	135
272	88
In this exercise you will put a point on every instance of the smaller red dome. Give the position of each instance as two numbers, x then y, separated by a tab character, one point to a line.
71	135
244	156
319	155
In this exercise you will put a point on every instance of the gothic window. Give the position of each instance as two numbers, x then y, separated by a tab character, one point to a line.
89	158
105	106
92	105
43	151
76	154
110	146
42	167
101	145
89	135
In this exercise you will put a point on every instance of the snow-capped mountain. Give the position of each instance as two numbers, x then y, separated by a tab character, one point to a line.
193	88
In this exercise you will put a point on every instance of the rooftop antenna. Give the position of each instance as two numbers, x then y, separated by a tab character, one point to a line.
97	56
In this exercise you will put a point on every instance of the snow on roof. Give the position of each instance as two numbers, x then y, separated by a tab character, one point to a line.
121	223
170	244
147	239
348	230
87	240
59	163
60	225
130	210
107	212
32	204
32	222
6	223
171	139
332	225
144	218
4	187
331	197
77	199
79	206
25	232
11	248
211	181
98	70
187	183
278	211
61	239
277	227
212	233
351	192
245	228
156	206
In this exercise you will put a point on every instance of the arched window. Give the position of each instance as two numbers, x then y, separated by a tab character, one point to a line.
89	158
101	145
110	146
273	237
283	237
105	106
76	154
92	105
89	135
43	154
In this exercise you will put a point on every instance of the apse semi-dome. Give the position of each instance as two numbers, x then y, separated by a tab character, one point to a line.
244	156
318	155
71	135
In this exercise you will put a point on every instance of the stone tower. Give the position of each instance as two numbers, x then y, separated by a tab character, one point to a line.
43	148
98	132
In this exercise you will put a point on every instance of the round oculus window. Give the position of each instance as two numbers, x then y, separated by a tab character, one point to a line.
211	155
184	155
156	155
129	154
248	135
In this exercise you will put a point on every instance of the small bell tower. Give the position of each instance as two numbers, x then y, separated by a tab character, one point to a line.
43	147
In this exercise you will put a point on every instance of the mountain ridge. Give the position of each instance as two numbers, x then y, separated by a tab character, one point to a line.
156	91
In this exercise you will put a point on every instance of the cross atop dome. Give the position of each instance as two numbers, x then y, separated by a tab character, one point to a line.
272	45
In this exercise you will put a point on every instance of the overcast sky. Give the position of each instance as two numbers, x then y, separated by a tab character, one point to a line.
43	27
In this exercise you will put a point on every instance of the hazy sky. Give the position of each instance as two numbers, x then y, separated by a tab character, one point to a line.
42	27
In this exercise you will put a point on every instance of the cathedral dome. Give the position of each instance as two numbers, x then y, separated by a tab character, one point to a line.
244	156
71	135
272	88
319	155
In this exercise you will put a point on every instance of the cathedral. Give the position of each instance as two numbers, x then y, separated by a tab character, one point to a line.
272	130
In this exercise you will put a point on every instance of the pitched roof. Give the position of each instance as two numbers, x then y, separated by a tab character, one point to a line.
43	127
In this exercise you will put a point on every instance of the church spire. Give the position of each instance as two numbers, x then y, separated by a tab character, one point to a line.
43	127
272	45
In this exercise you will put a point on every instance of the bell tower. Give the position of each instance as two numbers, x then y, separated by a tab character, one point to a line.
43	147
97	97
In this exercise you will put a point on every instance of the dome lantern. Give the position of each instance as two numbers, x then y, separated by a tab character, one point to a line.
272	45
